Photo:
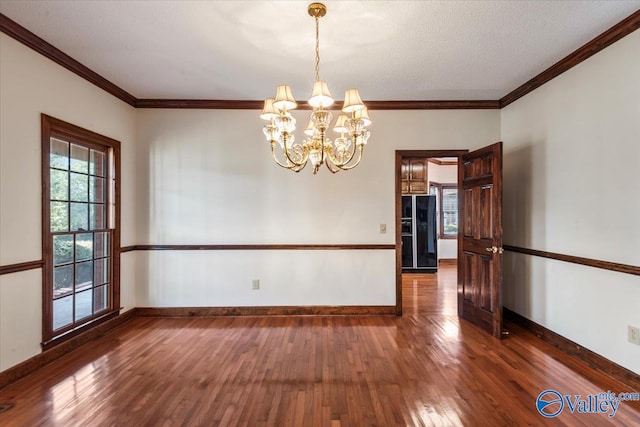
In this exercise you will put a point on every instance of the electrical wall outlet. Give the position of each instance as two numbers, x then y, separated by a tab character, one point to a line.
256	284
383	228
634	335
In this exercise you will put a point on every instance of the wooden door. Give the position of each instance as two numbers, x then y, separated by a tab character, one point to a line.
480	246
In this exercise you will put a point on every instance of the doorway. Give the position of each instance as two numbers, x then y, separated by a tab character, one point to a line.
479	243
404	186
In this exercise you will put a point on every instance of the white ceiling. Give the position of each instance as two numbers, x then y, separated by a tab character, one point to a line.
390	50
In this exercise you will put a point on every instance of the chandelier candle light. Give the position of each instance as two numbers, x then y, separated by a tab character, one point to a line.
345	152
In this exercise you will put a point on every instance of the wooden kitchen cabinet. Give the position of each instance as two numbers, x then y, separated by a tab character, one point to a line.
414	176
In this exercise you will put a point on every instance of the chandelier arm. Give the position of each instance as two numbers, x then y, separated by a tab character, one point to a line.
328	163
322	135
332	155
299	168
304	156
302	164
290	166
288	156
273	153
346	168
343	162
353	152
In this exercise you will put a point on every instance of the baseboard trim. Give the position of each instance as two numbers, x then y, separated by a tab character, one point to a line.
448	261
350	310
593	360
38	361
430	270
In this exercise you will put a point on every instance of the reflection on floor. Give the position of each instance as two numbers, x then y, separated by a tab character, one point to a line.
424	368
430	294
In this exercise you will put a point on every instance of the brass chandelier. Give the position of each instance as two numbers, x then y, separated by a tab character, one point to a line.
345	151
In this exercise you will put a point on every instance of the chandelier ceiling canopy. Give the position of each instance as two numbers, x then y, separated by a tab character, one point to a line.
345	151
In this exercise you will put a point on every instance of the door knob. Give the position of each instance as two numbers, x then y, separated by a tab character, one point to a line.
494	249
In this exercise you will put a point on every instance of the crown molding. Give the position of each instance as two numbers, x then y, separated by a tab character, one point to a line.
371	105
612	35
29	39
26	37
206	104
434	105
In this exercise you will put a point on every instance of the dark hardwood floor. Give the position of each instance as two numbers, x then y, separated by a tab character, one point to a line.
426	368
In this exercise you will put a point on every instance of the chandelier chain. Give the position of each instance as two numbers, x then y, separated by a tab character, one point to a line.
317	50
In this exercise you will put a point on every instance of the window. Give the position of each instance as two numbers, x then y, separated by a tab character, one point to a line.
447	202
80	229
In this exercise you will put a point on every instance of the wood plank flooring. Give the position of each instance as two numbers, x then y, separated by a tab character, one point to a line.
426	368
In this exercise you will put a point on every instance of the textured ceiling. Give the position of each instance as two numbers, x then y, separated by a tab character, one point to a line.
390	50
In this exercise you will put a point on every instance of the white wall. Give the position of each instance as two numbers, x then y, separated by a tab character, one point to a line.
291	277
572	149
444	174
206	177
30	85
211	180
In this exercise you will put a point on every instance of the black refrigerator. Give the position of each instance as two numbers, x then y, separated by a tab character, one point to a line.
419	238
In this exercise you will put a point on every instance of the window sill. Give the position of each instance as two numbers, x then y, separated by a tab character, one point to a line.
448	237
59	339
